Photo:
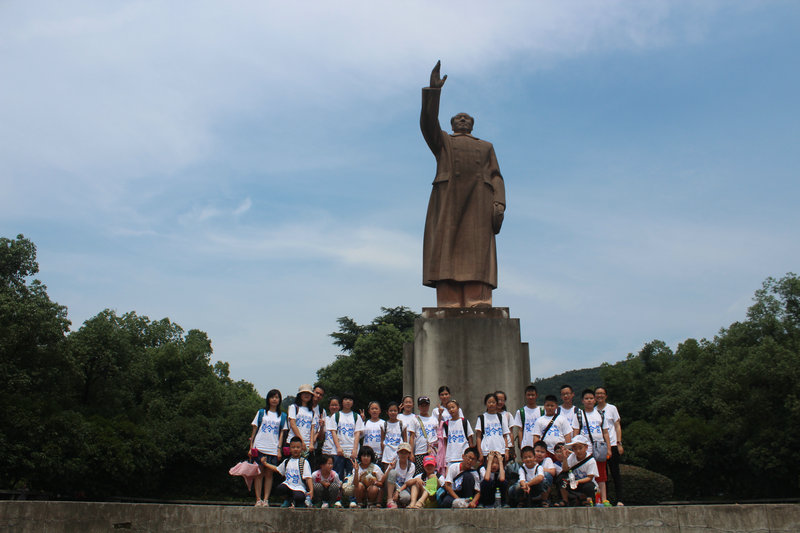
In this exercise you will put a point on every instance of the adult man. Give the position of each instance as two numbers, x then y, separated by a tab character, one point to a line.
465	210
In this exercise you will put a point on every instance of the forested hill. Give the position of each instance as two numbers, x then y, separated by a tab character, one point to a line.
585	378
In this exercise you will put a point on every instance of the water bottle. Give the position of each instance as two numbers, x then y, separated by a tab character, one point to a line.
497	496
308	500
597	501
573	484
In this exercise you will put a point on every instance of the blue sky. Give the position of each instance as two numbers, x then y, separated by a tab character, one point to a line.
255	169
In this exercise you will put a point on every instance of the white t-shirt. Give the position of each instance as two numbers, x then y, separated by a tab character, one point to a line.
373	470
329	446
316	477
404	474
304	418
493	438
557	432
589	468
372	436
509	418
526	474
346	429
391	440
411	426
530	419
430	423
612	417
569	414
594	431
548	464
290	469
266	440
454	470
457	441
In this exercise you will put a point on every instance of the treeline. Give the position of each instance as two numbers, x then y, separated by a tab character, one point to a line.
585	378
720	417
125	405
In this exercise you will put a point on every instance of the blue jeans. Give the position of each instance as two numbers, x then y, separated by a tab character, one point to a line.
342	466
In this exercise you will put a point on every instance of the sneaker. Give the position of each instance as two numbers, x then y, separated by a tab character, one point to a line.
324	505
338	505
265	504
259	503
286	503
353	504
620	504
391	505
606	503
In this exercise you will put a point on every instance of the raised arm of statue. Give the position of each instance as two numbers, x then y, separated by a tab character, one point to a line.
429	116
436	80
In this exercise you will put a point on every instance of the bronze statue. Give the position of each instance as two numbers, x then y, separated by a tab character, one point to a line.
465	210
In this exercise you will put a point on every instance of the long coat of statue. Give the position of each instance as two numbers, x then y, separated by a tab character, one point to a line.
459	242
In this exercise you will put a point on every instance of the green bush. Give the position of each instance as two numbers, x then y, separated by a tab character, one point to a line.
641	486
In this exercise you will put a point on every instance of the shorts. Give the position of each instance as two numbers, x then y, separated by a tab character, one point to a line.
601	472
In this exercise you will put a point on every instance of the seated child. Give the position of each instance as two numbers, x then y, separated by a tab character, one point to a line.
425	485
529	491
398	478
493	480
327	486
367	478
581	469
462	483
296	470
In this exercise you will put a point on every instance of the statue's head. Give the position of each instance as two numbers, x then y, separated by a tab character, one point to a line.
462	123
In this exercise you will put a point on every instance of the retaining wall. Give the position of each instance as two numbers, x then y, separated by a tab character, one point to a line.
90	517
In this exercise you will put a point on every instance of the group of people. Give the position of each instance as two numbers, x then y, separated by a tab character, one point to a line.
433	456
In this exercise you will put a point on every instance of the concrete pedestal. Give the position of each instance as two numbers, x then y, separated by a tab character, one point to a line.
473	351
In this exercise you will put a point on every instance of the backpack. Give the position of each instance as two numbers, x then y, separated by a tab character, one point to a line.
599	449
355	420
522	414
300	465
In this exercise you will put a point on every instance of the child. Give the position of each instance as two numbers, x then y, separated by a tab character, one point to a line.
427	442
592	424
269	430
329	444
579	484
425	485
525	417
491	429
552	427
548	469
301	419
409	420
509	417
346	427
367	478
394	432
373	430
326	483
493	480
398	478
458	432
531	477
462	483
296	470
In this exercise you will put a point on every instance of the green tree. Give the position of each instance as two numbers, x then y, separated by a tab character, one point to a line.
34	372
372	368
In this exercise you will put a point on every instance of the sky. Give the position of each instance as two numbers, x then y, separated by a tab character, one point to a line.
255	169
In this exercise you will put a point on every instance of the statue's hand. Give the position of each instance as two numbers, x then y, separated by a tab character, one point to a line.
497	217
436	80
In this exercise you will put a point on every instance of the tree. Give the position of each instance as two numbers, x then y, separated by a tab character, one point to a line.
717	414
372	368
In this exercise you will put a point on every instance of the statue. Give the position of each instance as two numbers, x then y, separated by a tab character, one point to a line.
465	210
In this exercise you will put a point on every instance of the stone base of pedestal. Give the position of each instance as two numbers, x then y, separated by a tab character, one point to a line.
473	351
